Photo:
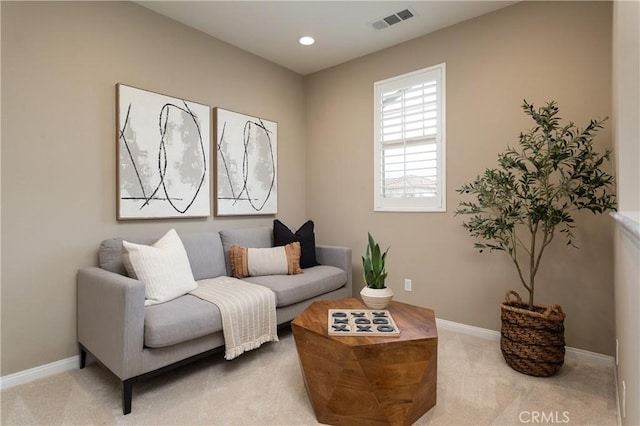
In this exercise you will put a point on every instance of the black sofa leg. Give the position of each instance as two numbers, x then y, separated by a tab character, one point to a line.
127	395
83	357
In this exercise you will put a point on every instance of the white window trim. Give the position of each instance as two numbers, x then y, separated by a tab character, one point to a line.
437	204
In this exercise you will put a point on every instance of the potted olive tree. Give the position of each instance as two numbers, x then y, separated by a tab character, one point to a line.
520	207
375	294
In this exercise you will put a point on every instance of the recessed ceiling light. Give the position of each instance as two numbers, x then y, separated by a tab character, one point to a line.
306	40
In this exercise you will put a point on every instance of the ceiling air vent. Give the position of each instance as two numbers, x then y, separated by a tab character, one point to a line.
392	19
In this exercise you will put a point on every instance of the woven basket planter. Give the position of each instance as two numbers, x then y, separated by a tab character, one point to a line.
532	342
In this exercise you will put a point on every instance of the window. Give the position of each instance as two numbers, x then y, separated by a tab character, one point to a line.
409	141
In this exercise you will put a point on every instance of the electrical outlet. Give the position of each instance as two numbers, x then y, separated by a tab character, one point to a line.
407	284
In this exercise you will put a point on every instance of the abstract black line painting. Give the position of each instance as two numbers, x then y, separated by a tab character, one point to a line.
163	156
246	168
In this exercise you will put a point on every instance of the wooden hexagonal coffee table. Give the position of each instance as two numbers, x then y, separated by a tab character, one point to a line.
366	379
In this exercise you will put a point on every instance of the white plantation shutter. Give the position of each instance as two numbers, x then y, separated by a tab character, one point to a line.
409	142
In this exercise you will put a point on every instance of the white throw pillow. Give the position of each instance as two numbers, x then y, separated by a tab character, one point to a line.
163	267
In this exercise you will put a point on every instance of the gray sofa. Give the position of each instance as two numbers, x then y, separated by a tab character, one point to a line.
135	342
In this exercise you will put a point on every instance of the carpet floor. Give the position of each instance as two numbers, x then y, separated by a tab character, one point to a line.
264	387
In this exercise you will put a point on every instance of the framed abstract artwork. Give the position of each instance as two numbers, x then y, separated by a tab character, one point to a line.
164	144
246	166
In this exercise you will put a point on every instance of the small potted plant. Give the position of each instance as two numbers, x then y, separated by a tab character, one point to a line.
520	207
375	294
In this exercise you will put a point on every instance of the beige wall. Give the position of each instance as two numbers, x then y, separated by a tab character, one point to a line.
60	64
626	105
540	51
61	61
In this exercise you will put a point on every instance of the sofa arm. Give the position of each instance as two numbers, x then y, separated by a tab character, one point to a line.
111	319
340	257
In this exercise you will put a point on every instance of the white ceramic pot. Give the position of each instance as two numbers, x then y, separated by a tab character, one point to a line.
376	298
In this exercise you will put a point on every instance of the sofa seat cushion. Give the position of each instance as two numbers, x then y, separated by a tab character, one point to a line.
290	289
179	320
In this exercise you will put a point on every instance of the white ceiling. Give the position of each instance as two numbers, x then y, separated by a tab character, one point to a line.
342	29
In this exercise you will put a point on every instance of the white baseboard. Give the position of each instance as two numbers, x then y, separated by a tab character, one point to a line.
36	373
574	353
484	333
582	355
618	408
73	362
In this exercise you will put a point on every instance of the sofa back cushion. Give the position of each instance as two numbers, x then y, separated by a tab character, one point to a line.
255	237
204	250
205	254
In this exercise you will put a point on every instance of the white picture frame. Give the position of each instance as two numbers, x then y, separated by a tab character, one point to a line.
247	164
163	156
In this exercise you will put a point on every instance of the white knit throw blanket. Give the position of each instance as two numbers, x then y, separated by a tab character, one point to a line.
248	312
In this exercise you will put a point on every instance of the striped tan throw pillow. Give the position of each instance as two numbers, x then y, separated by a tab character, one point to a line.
253	262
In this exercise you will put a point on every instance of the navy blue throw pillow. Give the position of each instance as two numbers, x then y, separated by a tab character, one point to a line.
282	236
